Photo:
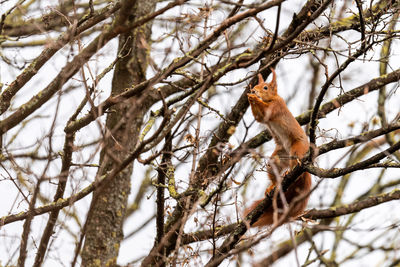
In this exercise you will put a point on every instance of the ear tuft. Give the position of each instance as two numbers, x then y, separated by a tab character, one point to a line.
273	84
260	78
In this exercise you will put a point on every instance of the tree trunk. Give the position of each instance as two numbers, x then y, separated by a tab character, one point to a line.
105	219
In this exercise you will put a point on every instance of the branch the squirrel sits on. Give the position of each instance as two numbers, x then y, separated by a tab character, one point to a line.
291	146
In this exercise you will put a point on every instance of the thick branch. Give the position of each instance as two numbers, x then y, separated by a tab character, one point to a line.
336	172
353	207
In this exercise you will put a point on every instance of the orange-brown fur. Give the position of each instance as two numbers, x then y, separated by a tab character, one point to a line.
291	146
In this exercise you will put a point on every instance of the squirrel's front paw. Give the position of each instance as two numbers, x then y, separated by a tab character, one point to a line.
252	97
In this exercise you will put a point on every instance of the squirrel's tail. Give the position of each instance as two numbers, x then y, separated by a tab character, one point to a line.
300	188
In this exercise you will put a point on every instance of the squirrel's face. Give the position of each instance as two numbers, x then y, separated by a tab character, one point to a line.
265	91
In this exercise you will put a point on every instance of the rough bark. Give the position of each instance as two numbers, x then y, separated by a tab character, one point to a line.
105	219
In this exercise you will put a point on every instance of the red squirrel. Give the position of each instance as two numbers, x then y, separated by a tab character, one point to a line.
291	146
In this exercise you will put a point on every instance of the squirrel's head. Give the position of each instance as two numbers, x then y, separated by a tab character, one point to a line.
266	91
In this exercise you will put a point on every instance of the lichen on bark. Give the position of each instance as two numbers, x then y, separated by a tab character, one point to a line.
108	208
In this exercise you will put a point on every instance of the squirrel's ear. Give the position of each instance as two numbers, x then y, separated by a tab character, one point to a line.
260	78
273	84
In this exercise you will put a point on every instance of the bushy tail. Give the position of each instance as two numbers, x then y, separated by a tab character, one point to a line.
300	187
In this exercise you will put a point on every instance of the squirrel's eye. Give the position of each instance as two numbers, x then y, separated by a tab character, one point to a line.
265	87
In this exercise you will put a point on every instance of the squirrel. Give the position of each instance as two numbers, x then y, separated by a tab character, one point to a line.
291	146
